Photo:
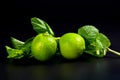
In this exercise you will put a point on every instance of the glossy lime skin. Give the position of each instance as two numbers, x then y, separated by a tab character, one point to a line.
43	47
72	45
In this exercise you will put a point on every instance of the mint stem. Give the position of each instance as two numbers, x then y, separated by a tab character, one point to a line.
114	52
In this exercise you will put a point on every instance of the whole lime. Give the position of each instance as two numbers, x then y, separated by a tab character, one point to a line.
72	45
43	47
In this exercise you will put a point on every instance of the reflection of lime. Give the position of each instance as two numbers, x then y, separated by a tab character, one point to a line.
43	47
71	45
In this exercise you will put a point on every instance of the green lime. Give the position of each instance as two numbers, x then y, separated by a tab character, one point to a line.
43	47
72	45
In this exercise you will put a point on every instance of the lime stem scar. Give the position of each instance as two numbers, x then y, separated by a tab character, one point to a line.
57	38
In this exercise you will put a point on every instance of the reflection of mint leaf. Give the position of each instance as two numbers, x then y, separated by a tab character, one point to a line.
41	26
16	43
14	53
96	43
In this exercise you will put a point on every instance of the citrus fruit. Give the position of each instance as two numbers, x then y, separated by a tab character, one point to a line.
72	45
43	47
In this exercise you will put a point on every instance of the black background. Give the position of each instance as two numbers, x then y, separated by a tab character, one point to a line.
63	16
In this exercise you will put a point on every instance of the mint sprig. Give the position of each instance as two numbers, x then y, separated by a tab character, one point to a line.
97	44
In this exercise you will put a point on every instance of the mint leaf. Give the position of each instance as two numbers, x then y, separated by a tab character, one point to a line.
14	53
104	40
38	25
102	44
27	47
41	26
20	50
89	33
49	29
16	43
96	43
99	47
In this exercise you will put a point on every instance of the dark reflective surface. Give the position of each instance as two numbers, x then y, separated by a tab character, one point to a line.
107	68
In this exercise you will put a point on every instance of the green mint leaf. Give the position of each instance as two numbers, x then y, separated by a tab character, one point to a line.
14	53
38	25
104	40
97	48
16	43
96	43
23	50
97	53
41	26
89	33
49	29
102	44
27	47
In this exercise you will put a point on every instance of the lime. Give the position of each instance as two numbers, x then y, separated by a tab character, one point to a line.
72	45
43	47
